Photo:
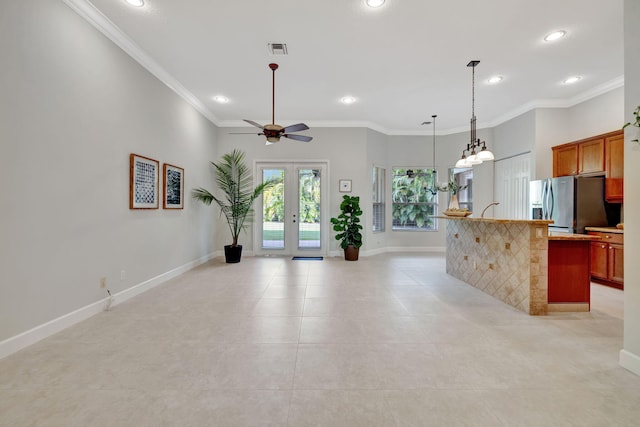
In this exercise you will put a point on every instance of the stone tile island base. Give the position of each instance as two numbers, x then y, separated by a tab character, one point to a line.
508	259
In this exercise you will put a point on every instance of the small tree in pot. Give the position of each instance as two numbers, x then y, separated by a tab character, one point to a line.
233	178
348	227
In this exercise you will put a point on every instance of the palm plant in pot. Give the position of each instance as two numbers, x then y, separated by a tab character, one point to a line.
347	225
233	179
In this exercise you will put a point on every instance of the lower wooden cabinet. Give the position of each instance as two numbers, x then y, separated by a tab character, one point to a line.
607	256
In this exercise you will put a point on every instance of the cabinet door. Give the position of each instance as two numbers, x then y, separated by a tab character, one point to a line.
565	160
591	156
616	266
599	262
614	146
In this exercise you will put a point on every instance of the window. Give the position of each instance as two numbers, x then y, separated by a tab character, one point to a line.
378	198
414	197
464	177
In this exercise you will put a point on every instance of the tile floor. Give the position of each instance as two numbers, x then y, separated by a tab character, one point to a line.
390	340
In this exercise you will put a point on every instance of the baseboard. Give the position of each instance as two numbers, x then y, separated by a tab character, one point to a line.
439	249
40	332
630	361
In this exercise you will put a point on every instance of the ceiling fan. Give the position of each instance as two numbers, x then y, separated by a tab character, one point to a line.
273	131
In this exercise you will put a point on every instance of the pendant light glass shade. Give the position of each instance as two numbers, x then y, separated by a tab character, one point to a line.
462	163
485	155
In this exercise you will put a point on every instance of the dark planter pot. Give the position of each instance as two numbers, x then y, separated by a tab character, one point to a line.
232	254
351	253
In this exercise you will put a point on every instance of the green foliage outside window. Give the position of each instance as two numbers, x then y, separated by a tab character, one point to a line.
414	199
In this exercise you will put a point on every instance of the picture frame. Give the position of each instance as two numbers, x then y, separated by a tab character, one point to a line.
345	186
144	178
173	187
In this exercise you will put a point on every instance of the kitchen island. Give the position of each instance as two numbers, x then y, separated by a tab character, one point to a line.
510	260
569	272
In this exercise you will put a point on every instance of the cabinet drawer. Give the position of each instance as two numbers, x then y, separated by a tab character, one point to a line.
609	237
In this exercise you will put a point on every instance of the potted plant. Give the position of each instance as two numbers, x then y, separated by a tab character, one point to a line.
453	188
635	123
233	178
347	224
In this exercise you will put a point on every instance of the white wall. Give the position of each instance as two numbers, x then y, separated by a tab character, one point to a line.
552	128
74	106
597	115
630	355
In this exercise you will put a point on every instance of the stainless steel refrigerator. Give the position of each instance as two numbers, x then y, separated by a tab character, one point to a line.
571	202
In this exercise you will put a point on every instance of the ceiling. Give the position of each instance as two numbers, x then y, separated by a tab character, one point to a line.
402	62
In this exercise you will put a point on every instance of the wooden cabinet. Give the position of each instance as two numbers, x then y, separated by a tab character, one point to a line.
601	154
591	156
607	255
614	155
565	160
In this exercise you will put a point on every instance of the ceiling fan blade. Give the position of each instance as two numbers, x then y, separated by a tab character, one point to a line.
251	122
302	138
295	128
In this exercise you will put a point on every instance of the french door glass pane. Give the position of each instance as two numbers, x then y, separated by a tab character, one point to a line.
273	210
309	208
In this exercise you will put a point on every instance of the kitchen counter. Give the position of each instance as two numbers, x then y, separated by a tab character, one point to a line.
573	237
605	229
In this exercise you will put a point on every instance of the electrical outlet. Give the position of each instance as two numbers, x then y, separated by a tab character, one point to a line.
123	274
103	282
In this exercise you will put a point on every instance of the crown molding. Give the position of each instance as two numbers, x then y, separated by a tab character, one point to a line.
90	13
103	24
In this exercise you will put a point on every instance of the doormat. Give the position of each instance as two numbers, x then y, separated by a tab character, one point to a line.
307	258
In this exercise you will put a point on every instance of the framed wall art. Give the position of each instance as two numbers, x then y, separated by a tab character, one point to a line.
345	186
144	178
173	188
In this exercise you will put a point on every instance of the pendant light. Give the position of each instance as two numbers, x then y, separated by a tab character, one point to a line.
474	158
433	189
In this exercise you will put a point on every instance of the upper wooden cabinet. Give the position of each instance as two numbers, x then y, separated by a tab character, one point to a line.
595	155
565	160
614	156
591	156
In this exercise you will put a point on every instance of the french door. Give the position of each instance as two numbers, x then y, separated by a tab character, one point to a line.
292	217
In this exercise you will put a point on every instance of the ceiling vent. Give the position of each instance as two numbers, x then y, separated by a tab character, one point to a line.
277	48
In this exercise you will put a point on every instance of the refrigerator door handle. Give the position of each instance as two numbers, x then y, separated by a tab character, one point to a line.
552	201
544	200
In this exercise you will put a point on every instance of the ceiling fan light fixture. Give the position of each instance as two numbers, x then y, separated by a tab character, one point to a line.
375	3
556	35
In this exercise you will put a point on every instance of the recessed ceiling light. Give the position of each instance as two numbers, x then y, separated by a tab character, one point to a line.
375	3
572	80
556	35
347	100
136	3
220	99
495	79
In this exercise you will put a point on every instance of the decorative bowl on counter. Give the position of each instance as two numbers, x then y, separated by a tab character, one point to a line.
457	213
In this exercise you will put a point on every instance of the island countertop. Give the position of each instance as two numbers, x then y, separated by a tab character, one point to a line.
499	220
